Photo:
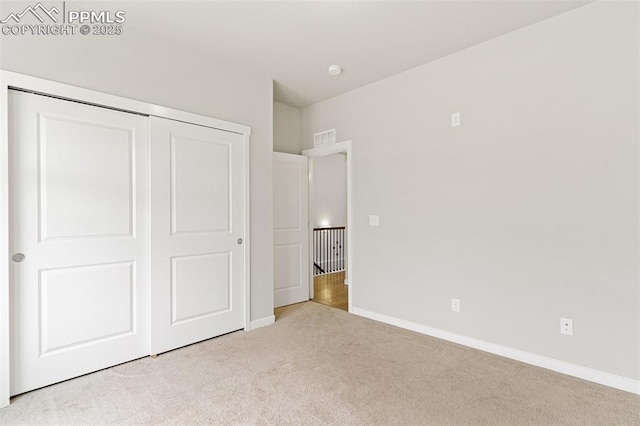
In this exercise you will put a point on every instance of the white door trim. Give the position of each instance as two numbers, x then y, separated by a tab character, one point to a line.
9	80
321	151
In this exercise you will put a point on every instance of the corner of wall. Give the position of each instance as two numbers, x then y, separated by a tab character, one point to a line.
262	322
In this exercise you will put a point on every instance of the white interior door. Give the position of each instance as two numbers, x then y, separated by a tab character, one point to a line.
79	219
290	228
197	227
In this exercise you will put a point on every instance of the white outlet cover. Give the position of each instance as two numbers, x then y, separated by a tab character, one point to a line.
455	305
566	326
374	220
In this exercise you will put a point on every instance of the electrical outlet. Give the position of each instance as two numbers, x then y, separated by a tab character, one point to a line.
455	305
374	220
566	326
455	119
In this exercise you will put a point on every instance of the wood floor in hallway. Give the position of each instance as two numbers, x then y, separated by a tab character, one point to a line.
329	289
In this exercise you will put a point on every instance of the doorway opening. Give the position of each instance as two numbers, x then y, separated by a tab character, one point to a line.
330	225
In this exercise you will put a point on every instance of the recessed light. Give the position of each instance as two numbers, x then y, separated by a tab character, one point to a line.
335	70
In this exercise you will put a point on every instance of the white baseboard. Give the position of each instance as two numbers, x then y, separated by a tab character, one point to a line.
262	322
590	374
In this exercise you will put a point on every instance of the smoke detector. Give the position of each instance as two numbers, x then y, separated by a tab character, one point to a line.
335	70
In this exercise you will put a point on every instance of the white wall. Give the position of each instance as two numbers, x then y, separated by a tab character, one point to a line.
329	188
287	130
136	66
528	212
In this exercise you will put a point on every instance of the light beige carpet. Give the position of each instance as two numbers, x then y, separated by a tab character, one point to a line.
319	365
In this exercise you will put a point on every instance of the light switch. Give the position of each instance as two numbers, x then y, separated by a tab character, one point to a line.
455	119
374	220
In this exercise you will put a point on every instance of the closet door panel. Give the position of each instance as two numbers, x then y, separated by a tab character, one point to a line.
197	227
79	241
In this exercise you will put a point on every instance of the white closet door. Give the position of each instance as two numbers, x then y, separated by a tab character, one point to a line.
197	227
290	228
79	218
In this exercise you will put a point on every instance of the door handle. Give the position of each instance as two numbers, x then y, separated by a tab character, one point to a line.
240	241
18	257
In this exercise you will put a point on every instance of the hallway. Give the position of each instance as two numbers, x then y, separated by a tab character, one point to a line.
330	290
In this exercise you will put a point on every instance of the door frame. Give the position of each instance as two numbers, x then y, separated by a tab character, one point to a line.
343	147
13	80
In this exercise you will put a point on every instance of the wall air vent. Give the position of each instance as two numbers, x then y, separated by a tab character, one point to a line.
323	138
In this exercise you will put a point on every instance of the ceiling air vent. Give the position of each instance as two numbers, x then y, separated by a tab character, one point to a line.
323	138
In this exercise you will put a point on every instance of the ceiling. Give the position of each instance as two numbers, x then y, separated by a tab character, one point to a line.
295	41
